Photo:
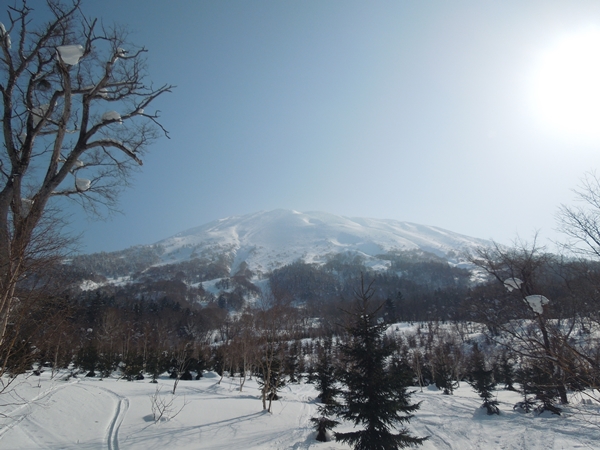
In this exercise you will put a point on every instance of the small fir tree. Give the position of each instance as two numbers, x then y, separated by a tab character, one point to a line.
482	381
541	383
107	363
132	367
156	363
506	372
375	397
323	425
325	375
87	359
441	370
292	362
524	377
325	380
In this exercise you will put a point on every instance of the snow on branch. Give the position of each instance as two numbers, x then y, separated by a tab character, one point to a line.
536	302
5	36
70	54
512	284
82	184
112	116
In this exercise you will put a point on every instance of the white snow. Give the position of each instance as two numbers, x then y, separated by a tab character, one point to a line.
513	283
5	35
268	240
70	54
111	115
96	414
82	184
89	285
537	302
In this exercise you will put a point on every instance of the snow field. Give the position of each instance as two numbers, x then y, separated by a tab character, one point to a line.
89	413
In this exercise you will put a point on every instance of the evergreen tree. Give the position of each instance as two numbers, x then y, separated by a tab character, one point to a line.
325	380
524	377
506	372
323	425
391	308
325	375
482	381
87	359
537	381
132	367
441	370
292	361
107	363
374	396
156	363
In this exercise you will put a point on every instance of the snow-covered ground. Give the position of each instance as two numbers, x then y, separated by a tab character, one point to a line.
86	413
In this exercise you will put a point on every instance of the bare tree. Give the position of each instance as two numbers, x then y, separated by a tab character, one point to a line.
75	124
581	223
524	273
275	324
242	345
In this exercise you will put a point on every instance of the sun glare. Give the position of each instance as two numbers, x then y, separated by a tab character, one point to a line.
567	85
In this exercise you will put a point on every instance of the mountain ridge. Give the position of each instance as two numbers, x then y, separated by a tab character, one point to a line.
266	240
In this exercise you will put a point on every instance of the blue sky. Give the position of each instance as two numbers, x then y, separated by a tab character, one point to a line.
421	111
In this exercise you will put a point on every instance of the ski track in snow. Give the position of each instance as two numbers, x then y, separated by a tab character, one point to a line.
112	435
41	432
90	414
297	439
14	415
112	431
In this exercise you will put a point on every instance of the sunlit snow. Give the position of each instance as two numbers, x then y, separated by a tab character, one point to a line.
269	239
5	35
90	413
82	184
512	284
70	54
111	115
537	302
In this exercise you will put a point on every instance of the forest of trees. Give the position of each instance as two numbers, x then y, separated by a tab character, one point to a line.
484	333
530	322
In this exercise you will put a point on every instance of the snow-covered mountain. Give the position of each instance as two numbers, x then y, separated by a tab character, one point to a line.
271	239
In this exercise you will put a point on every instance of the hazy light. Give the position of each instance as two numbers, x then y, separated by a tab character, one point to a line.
567	85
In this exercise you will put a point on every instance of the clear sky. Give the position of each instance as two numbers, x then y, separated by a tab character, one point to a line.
459	114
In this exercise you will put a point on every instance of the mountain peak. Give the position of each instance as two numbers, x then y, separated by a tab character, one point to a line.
269	239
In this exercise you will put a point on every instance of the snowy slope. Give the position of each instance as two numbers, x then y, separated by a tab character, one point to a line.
267	240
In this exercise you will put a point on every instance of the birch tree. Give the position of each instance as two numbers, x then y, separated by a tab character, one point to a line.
75	123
